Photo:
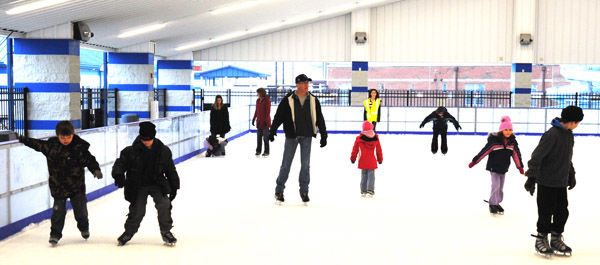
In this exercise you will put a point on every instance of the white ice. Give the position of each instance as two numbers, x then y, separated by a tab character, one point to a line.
428	209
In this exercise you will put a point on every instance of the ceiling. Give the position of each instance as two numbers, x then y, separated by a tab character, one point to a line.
187	21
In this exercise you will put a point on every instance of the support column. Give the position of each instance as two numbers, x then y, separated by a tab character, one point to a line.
360	54
133	75
521	83
50	69
176	77
524	21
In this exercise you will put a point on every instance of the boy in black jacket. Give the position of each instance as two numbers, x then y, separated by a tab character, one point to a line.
67	155
440	118
551	168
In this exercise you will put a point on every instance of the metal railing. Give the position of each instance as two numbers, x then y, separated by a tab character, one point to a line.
583	100
434	98
94	107
160	95
13	110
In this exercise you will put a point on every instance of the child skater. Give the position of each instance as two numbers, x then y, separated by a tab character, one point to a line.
368	146
440	118
500	147
552	169
67	156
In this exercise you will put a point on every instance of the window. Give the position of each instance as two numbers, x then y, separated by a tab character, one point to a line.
474	95
3	59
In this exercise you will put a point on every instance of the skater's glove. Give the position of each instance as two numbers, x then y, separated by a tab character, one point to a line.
530	185
522	171
458	128
323	141
253	123
471	165
272	136
120	181
380	162
352	161
172	195
98	174
572	182
422	125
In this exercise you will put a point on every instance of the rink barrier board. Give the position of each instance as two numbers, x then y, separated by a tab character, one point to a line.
431	133
16	227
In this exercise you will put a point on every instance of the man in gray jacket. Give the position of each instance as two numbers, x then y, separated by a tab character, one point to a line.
551	168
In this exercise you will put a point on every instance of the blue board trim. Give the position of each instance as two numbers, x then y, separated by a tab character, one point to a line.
431	133
178	108
130	58
141	114
50	87
176	87
174	64
46	47
363	66
132	87
49	124
522	90
360	89
522	68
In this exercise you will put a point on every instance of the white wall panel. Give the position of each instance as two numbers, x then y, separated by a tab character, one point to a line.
568	32
423	31
326	40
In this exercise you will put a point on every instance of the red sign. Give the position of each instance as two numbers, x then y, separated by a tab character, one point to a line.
197	68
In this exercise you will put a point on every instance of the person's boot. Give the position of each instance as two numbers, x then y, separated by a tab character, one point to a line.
305	198
542	247
279	198
124	238
85	234
53	240
558	245
169	239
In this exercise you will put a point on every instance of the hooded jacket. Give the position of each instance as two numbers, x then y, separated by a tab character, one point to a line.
367	149
550	162
219	120
65	164
262	114
500	151
130	168
440	122
285	115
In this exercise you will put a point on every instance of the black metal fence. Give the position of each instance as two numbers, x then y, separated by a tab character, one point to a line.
434	98
94	107
13	110
583	100
160	95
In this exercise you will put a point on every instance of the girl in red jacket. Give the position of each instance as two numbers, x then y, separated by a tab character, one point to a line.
368	146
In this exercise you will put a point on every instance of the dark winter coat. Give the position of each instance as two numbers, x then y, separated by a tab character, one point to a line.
219	120
131	169
262	114
367	148
440	122
550	162
65	164
500	150
285	115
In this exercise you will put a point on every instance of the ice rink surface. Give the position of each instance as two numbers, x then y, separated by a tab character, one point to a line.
427	209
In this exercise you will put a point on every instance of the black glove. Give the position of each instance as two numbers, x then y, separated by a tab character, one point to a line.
422	125
572	182
120	181
272	136
379	162
98	174
323	141
172	195
530	185
253	123
458	128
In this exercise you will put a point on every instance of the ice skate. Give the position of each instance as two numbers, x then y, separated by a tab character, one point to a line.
169	239
257	154
53	240
305	198
370	194
363	194
493	210
542	247
558	245
279	198
124	238
85	234
265	155
500	209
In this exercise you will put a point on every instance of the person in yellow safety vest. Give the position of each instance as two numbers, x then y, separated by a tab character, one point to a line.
372	106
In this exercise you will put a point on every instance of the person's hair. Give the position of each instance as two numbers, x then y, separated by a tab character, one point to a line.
64	128
218	106
212	140
376	92
502	133
262	92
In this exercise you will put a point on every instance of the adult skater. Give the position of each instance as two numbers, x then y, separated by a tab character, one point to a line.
219	118
300	113
372	106
440	118
67	155
146	168
262	121
551	168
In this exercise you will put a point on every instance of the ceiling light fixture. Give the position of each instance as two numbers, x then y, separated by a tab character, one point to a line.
34	6
237	6
143	30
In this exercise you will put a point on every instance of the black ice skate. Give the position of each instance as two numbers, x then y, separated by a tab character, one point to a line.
279	198
124	238
558	245
370	194
542	247
169	239
305	198
493	209
85	234
53	240
257	154
265	155
500	210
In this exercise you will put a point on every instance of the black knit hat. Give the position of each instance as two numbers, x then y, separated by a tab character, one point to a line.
147	131
571	113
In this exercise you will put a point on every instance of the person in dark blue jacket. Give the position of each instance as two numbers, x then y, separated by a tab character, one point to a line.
440	118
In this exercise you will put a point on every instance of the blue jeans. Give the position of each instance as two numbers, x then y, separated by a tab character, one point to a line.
367	181
289	150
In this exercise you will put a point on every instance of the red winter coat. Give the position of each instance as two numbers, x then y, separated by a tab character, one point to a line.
262	114
367	148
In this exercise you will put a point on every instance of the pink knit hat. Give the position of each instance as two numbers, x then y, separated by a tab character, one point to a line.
367	126
505	123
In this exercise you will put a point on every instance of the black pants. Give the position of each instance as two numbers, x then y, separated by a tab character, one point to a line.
434	142
59	211
137	210
262	136
552	209
374	125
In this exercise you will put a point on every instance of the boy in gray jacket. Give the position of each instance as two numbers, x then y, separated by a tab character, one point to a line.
551	168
